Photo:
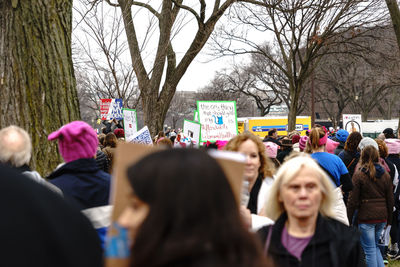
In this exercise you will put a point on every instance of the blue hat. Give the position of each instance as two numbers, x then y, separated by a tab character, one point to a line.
342	135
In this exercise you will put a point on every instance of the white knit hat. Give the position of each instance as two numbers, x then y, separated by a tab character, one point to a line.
367	141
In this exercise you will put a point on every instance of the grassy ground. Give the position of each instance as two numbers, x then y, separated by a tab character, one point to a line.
394	263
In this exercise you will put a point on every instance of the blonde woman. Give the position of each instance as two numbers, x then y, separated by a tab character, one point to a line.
258	173
305	233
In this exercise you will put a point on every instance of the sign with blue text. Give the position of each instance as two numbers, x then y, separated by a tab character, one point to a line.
111	109
218	120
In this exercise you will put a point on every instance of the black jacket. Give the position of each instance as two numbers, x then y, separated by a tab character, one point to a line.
333	244
40	229
102	160
350	160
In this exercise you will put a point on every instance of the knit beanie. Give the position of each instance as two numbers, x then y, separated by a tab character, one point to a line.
295	139
271	149
367	141
342	135
303	142
76	140
331	146
119	133
393	145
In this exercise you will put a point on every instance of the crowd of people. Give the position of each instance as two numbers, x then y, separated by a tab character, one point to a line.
312	200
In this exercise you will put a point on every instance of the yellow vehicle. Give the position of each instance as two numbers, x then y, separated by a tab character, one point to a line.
261	125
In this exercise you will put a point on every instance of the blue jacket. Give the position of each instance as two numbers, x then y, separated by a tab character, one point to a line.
88	187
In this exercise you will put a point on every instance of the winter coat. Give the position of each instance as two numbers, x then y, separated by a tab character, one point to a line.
102	160
339	148
258	221
350	159
372	199
333	244
41	229
87	187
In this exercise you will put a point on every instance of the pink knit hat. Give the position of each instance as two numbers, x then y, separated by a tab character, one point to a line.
331	146
271	149
393	145
303	142
76	140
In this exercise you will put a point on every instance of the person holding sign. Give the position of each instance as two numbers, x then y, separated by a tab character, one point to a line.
258	173
184	213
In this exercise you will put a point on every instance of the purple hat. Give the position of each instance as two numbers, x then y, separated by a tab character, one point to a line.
76	140
303	142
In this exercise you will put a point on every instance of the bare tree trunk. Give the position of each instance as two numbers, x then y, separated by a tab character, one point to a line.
294	99
37	82
394	11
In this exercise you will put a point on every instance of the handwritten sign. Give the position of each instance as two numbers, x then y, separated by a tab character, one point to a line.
218	120
130	122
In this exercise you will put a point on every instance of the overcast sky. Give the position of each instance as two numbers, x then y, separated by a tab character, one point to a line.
201	70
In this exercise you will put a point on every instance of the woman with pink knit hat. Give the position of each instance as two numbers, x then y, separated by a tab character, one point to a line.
80	179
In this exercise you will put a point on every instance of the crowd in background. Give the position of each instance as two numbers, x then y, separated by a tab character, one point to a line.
319	199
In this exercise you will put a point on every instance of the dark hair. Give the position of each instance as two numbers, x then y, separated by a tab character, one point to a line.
193	218
352	142
271	132
369	156
101	138
110	140
160	134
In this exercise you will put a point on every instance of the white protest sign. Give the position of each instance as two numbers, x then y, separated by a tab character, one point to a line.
141	137
196	116
218	120
192	129
130	122
352	123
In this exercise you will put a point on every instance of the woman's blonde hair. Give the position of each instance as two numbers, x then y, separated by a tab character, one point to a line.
287	172
266	166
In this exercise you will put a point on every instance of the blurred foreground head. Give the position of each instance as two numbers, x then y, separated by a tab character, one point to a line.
187	213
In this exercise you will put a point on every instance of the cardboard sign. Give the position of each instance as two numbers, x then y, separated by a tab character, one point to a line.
127	154
130	122
191	129
111	109
352	123
141	137
218	120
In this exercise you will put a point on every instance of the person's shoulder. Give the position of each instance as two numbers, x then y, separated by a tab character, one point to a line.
341	230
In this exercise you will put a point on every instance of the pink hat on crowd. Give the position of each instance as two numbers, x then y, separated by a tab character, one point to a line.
303	142
271	149
76	140
393	145
331	146
221	144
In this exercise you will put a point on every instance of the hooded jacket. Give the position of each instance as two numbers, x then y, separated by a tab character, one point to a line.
333	244
373	199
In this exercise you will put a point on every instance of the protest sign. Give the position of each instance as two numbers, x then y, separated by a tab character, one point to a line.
352	123
141	137
218	120
127	154
130	122
111	109
192	129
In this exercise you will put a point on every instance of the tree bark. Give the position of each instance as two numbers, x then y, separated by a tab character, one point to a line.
37	82
394	11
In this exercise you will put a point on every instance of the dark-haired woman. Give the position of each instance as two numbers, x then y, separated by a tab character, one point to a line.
372	195
350	154
185	214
